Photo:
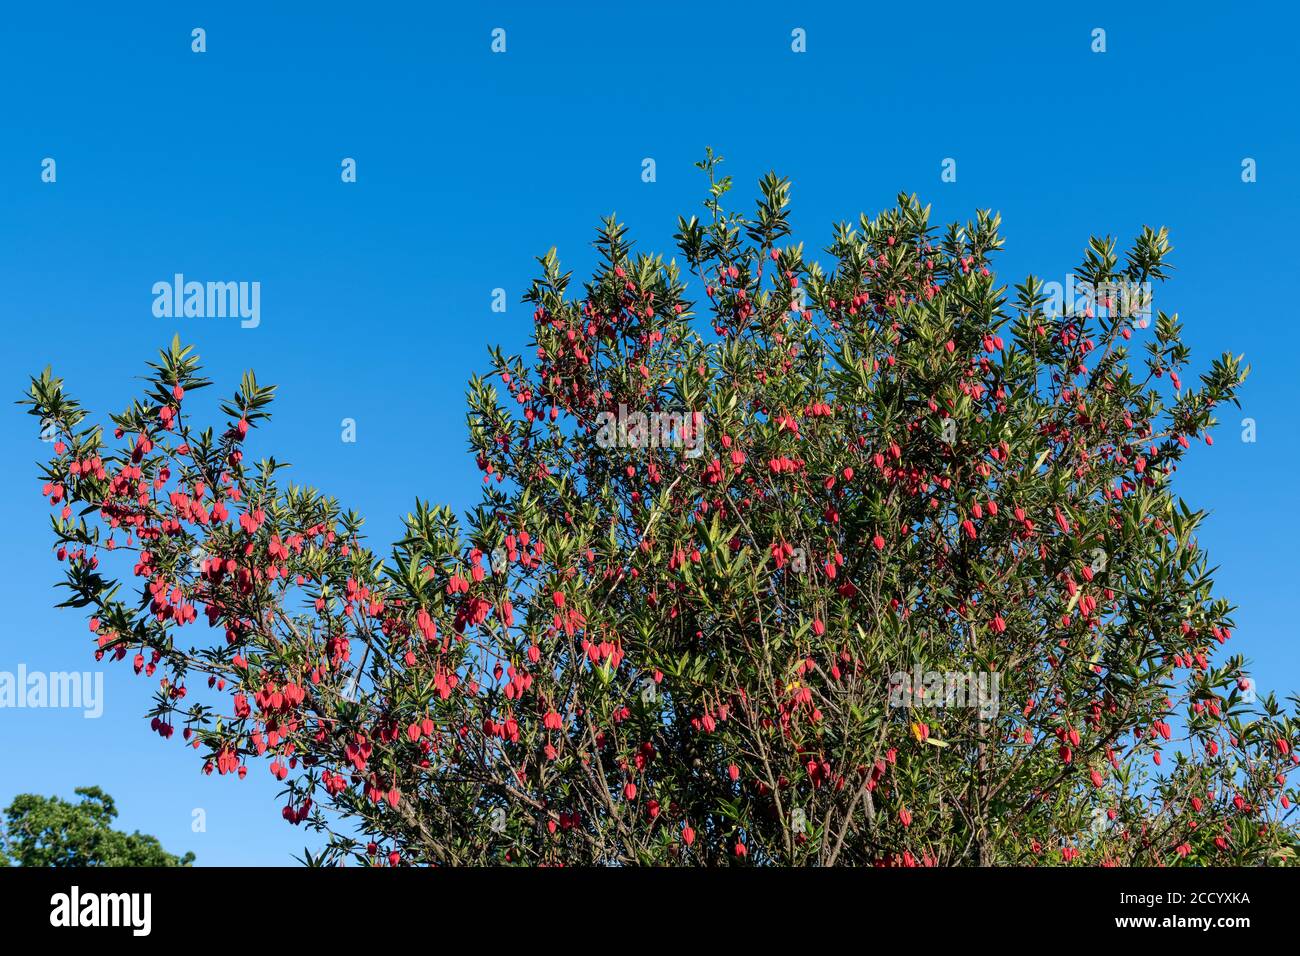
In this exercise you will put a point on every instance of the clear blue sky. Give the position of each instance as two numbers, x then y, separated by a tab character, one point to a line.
376	295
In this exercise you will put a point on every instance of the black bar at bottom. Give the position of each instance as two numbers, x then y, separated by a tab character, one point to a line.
351	905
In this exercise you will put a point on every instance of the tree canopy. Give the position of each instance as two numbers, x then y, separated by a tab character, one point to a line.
872	562
49	831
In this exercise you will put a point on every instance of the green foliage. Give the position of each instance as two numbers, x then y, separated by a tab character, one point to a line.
48	831
645	648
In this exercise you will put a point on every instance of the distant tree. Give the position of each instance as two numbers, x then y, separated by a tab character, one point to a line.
48	831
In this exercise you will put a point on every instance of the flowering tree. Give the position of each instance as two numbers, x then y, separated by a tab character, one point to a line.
698	614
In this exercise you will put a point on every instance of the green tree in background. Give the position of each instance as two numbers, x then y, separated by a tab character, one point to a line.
48	831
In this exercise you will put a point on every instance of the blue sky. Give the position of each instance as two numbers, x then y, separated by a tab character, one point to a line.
376	295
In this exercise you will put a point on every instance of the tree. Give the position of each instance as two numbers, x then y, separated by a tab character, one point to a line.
732	591
48	831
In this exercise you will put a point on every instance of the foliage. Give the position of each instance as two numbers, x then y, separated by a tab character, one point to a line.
48	831
641	648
